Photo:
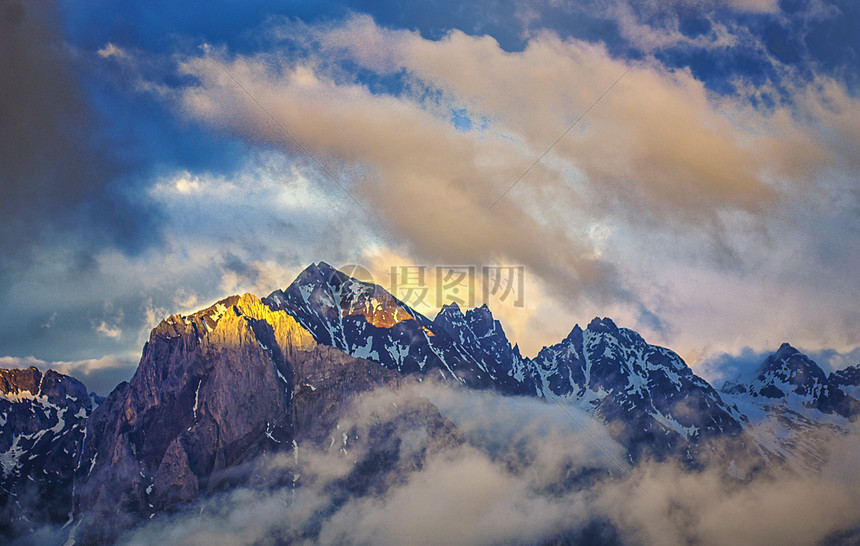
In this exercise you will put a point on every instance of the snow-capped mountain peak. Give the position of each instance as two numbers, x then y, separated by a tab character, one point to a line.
791	378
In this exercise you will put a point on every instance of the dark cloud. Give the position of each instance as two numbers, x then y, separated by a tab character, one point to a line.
737	367
832	360
59	178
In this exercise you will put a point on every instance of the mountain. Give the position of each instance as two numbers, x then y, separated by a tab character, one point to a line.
482	336
213	390
790	378
847	379
42	432
606	370
365	321
656	402
246	379
794	407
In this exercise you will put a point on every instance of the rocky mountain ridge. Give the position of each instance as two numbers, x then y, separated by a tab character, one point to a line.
248	376
43	420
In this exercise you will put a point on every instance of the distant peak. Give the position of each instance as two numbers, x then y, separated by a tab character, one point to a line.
787	360
786	350
13	381
321	273
480	314
450	312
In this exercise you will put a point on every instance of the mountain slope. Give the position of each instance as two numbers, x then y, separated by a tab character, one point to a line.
847	379
213	390
365	321
246	378
790	378
654	401
482	336
42	432
794	408
206	387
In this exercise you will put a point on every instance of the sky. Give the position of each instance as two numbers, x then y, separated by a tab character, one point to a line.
687	168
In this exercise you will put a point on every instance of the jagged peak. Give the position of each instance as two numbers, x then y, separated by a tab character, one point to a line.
786	350
785	354
602	324
18	380
480	314
516	351
174	324
236	307
786	370
319	273
16	383
575	332
849	375
329	274
451	309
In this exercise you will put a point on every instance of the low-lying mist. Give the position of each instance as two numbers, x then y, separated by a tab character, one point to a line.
431	464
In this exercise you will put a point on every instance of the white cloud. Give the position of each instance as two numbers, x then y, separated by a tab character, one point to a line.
511	482
111	331
111	50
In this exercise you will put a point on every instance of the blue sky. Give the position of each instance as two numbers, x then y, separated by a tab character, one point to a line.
709	200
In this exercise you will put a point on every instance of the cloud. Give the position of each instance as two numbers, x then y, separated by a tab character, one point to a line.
717	369
668	120
711	209
513	480
59	181
105	329
706	181
110	50
678	507
429	184
450	491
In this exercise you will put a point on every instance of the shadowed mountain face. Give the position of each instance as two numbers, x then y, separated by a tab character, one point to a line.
653	398
847	379
246	379
208	387
42	431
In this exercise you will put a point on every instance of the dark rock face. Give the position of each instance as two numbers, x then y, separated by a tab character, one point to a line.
482	336
650	396
42	432
213	390
848	380
207	387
